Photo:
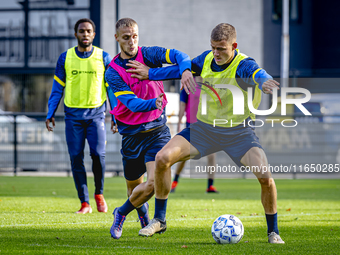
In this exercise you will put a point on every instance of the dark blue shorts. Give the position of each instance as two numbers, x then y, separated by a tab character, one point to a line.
141	148
234	141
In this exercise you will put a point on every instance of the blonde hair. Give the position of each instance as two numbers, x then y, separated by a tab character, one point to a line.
125	22
224	31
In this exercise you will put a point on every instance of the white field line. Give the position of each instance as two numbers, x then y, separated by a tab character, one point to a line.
97	247
182	219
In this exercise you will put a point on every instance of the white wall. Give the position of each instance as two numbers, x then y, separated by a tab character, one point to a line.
107	23
186	24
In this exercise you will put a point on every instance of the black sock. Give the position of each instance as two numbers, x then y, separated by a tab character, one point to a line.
210	182
141	210
272	223
126	208
176	178
160	209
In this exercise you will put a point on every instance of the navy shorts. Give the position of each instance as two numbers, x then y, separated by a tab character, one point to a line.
141	148
234	141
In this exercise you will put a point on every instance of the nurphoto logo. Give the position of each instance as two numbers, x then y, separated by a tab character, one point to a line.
239	103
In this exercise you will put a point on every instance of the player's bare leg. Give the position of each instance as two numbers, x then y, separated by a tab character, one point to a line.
145	190
180	166
177	149
130	185
256	157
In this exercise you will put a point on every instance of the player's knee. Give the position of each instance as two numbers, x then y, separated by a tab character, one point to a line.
267	182
163	160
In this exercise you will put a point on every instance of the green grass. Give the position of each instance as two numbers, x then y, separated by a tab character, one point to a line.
37	216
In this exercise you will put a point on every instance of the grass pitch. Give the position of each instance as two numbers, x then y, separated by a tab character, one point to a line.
37	216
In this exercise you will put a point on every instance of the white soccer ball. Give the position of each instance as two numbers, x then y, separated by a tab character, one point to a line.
227	229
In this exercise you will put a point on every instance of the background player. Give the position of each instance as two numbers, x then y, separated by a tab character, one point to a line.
189	106
80	72
221	65
140	116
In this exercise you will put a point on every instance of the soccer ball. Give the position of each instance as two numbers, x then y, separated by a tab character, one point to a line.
227	229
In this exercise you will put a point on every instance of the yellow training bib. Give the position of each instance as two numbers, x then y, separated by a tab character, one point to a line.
85	84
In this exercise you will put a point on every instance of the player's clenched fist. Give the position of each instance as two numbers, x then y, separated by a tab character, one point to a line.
159	102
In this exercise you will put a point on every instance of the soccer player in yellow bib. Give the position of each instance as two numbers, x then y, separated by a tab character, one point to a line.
223	64
80	72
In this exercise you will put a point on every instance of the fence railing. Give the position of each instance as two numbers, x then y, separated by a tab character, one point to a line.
26	145
308	148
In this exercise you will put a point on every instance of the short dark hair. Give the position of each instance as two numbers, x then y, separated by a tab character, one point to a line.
82	21
125	22
223	31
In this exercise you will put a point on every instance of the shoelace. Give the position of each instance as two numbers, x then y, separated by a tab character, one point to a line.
119	224
141	219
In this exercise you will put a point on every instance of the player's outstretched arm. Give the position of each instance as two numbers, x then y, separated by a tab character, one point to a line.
250	72
141	72
269	85
157	56
123	93
154	74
